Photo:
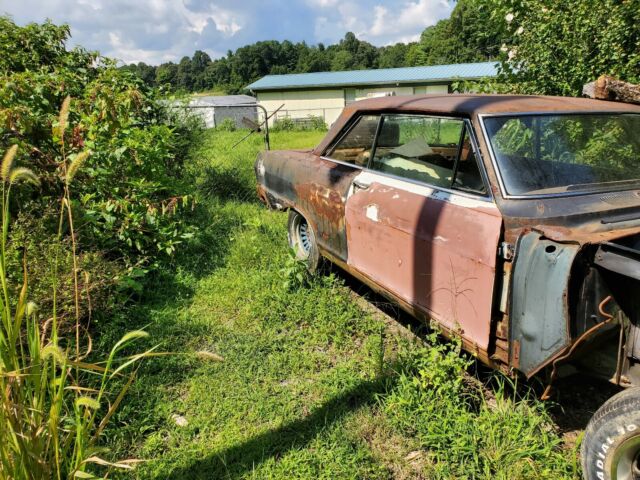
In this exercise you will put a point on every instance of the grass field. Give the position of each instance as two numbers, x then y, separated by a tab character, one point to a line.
314	385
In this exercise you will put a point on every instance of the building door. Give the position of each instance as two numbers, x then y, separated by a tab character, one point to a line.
349	96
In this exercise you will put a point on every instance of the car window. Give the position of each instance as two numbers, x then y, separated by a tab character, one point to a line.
468	175
425	148
566	153
355	146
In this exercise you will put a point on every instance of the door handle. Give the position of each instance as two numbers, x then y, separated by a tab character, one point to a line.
360	185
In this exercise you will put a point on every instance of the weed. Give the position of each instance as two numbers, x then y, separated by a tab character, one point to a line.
295	272
54	405
227	125
465	434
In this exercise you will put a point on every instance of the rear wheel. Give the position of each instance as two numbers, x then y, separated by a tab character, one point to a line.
302	240
611	445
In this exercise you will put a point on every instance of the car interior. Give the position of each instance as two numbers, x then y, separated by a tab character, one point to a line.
407	153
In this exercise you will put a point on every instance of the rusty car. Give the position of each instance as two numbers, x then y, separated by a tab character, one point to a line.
510	221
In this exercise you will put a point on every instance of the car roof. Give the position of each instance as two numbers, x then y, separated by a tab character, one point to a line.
470	105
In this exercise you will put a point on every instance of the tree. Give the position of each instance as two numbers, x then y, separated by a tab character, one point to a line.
352	54
167	73
184	76
468	35
393	56
199	63
342	60
554	47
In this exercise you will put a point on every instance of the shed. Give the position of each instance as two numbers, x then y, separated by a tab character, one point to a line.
215	109
325	94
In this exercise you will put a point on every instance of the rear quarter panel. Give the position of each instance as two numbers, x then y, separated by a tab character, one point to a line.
315	187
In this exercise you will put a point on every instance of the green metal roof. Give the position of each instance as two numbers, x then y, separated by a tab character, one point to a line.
383	76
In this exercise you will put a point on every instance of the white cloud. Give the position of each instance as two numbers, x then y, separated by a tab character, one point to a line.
151	31
404	24
155	31
322	3
381	22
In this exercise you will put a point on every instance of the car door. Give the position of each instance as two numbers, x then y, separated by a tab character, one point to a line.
421	224
323	199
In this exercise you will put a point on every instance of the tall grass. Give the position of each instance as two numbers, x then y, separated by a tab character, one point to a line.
54	404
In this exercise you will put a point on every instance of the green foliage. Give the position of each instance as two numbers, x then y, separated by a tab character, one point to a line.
468	35
295	272
288	124
284	124
467	434
250	62
54	405
130	205
316	122
227	125
36	47
555	47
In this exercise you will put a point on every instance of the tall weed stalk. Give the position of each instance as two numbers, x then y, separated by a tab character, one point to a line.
54	405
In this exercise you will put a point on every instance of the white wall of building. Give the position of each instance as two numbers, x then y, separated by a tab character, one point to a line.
303	103
329	103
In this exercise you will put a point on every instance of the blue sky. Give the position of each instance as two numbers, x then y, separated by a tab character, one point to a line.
156	31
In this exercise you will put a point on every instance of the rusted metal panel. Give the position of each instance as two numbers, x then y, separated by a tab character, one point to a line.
419	313
434	249
314	186
539	308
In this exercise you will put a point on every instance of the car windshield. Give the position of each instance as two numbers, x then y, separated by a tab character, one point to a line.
566	153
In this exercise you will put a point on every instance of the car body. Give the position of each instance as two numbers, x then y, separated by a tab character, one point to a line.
511	221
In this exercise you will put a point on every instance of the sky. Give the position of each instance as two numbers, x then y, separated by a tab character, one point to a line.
157	31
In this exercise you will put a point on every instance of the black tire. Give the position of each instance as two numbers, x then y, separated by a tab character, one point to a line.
611	444
302	239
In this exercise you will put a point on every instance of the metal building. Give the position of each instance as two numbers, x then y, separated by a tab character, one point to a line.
325	94
215	109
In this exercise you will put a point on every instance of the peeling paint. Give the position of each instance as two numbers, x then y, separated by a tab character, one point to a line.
372	212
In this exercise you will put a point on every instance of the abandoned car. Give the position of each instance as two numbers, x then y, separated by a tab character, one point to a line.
511	221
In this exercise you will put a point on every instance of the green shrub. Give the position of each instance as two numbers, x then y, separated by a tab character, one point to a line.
284	124
316	122
227	125
132	204
287	124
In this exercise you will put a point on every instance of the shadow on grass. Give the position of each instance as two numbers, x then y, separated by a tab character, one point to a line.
234	462
228	183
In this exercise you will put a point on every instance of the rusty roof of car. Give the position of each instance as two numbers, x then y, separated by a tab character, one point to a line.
468	105
479	104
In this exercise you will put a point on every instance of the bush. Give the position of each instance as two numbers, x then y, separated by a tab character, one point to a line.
554	48
288	124
227	125
284	124
132	201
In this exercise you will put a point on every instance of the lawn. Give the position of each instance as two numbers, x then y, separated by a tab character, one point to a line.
315	383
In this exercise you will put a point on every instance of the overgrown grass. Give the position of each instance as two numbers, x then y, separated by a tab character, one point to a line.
312	385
